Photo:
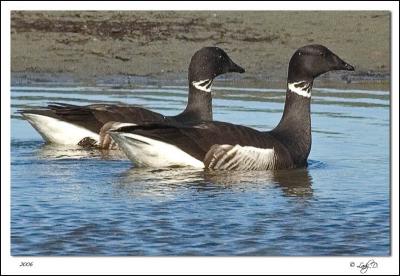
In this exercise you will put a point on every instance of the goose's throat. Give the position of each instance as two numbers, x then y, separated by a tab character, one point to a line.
203	85
301	88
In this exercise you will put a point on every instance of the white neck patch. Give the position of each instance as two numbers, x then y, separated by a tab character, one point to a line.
203	85
302	88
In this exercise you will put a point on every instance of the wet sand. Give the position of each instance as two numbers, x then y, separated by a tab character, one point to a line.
121	46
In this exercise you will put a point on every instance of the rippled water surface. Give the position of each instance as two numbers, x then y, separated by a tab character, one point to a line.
70	201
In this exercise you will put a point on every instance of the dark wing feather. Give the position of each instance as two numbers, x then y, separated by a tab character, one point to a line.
126	114
198	139
93	117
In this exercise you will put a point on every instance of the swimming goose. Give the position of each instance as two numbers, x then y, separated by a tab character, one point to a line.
225	146
87	125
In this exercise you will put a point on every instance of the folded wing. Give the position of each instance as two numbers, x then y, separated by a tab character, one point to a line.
220	145
229	157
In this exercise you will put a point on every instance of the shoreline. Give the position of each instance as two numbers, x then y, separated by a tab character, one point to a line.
119	47
231	79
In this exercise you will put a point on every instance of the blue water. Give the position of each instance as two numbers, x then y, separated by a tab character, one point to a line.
75	202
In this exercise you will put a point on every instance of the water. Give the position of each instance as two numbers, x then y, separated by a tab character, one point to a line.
78	202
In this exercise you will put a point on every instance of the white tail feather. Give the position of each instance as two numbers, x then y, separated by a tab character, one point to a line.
147	152
59	132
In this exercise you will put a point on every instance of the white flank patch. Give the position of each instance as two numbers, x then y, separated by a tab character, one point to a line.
245	158
59	132
147	152
202	85
302	90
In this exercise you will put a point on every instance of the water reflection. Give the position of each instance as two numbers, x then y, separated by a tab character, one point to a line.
166	183
53	151
170	182
292	182
157	183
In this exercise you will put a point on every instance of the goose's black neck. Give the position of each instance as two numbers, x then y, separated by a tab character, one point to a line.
294	128
199	106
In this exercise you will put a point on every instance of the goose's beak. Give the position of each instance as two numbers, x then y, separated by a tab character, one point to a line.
340	64
235	68
348	67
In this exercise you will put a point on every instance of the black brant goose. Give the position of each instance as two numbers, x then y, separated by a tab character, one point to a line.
225	146
87	125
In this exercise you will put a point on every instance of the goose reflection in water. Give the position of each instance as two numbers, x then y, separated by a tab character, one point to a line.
168	182
53	151
171	182
296	182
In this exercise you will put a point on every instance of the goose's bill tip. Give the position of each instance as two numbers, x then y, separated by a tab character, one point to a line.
349	67
236	68
241	70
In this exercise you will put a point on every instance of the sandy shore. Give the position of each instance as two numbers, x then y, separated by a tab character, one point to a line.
88	46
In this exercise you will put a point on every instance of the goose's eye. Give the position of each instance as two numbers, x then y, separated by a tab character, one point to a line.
299	53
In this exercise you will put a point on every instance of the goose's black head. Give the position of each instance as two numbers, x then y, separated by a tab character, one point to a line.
210	62
310	61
